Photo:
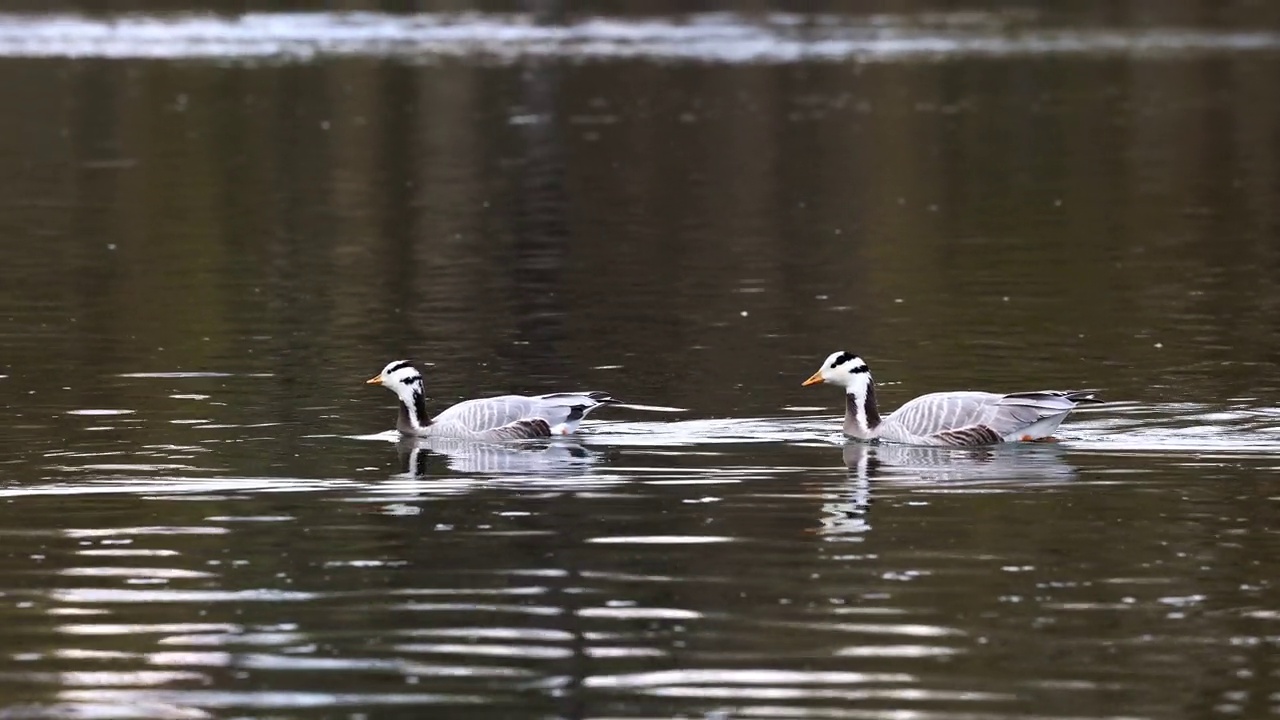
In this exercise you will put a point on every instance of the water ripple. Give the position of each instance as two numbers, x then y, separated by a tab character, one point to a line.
264	699
670	678
801	446
115	595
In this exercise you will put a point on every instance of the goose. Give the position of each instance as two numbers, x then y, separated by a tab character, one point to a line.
956	419
506	417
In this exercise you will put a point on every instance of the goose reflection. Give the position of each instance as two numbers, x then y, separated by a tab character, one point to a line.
945	464
846	511
433	456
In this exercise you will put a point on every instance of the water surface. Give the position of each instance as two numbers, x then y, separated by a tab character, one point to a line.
214	228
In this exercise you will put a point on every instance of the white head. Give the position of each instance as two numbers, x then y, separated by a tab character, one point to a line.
401	378
849	371
841	368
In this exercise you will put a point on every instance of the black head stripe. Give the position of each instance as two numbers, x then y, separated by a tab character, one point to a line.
398	366
858	369
842	359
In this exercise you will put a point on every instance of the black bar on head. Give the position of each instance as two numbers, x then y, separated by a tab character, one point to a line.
398	366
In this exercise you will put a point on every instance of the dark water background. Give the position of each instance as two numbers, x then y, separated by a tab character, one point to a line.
209	239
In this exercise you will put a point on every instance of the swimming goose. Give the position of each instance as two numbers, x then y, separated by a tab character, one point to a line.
506	417
946	418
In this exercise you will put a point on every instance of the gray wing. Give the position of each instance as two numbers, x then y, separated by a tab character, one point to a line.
568	408
517	416
1016	412
958	418
472	417
978	418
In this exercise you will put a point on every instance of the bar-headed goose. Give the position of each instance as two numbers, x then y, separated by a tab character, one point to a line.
506	417
946	418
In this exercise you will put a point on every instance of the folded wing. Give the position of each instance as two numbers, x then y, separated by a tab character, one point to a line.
518	416
979	418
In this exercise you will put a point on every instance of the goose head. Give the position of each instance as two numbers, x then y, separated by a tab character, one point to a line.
403	379
840	368
400	377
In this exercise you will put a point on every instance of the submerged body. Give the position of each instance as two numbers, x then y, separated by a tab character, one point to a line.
954	419
506	417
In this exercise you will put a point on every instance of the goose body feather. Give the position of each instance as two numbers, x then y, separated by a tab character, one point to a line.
505	417
512	417
978	418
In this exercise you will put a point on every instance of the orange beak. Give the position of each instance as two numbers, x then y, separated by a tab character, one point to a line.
375	380
814	379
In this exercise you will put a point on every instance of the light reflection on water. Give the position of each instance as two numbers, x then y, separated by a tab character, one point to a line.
505	38
204	516
511	624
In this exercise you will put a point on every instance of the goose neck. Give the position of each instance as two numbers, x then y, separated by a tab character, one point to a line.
413	418
862	416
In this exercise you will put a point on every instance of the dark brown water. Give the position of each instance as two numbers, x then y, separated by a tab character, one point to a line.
212	231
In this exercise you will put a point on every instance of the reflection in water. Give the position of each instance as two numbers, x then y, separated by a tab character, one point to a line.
846	510
225	548
1015	462
540	226
554	458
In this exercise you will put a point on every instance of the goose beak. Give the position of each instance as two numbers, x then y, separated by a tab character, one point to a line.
375	380
814	379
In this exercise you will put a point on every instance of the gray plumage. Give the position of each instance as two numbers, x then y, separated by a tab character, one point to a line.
505	417
978	418
947	418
